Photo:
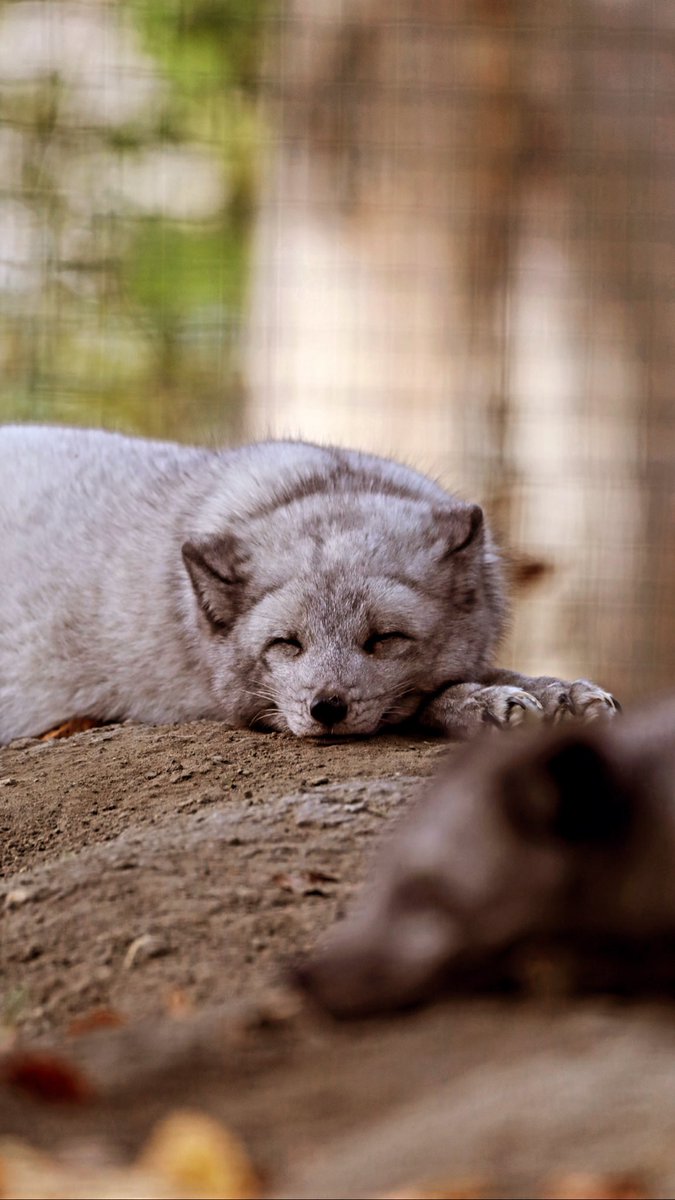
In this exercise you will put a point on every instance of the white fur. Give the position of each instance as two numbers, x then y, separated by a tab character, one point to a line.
99	617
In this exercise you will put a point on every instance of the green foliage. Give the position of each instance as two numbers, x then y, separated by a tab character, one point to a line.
201	40
176	270
133	315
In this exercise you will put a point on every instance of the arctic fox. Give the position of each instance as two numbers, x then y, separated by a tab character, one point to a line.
558	847
281	585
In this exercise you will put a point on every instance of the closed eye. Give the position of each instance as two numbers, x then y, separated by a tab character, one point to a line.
377	641
291	643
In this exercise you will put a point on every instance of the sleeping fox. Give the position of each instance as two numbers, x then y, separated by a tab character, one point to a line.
280	585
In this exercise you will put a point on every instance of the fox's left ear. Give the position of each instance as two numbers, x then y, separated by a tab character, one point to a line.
215	570
461	527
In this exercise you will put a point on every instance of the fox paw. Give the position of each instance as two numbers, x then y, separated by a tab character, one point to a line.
580	700
504	705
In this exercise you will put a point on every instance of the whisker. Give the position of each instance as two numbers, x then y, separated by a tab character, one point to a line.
262	714
258	694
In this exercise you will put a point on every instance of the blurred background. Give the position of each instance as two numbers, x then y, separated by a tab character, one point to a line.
438	229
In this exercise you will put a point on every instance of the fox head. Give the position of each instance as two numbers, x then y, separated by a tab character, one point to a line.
343	612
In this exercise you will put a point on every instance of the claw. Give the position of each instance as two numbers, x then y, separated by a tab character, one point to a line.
520	708
504	707
591	703
490	719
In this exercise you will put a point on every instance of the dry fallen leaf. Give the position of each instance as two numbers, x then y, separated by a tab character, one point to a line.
97	1018
189	1157
582	1185
46	1077
26	1173
452	1189
68	728
200	1157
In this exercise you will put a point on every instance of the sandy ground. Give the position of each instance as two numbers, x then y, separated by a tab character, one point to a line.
141	860
166	875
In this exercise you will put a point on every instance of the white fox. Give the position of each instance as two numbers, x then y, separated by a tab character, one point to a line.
281	585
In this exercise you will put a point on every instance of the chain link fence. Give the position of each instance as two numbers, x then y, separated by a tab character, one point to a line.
440	229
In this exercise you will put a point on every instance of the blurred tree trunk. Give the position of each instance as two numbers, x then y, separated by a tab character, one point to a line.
463	259
620	169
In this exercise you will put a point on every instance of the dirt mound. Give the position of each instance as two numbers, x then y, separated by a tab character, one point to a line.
157	878
138	860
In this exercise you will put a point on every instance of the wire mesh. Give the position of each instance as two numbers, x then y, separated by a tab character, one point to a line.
440	229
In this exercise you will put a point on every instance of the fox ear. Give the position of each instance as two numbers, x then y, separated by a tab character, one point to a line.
567	793
215	572
462	526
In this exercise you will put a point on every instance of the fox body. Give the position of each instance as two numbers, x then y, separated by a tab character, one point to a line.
554	840
282	584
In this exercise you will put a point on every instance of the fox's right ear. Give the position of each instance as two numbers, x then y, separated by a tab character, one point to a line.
215	570
461	526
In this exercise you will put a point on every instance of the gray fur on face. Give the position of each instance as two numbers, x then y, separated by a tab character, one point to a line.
282	584
367	599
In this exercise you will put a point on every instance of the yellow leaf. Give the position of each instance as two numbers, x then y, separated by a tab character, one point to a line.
200	1157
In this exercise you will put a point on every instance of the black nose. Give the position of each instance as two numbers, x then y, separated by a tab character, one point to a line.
328	710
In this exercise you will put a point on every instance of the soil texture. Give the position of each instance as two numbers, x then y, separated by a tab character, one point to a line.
156	884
